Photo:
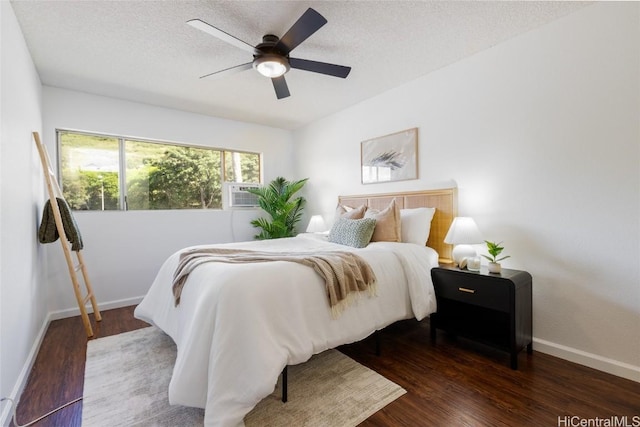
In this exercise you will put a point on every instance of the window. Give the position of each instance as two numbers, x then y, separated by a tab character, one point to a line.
102	172
89	171
241	167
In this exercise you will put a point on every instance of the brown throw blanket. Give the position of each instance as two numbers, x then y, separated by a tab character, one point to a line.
48	232
345	273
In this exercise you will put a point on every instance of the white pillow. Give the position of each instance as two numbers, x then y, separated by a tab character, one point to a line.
416	225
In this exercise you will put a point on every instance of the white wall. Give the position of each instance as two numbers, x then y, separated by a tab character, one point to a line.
22	289
542	135
124	250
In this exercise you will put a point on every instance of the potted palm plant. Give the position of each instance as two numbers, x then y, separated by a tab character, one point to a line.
276	199
494	250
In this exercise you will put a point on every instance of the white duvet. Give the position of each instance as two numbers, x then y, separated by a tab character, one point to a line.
239	325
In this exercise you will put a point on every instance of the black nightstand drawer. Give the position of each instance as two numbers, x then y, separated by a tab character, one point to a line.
470	289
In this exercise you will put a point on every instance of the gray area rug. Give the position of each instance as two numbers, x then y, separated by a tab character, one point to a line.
127	377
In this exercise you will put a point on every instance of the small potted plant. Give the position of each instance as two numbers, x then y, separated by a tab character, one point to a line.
494	250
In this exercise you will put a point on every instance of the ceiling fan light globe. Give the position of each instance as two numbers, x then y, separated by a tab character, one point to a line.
271	69
271	65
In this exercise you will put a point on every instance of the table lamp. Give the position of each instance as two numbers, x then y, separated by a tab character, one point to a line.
316	224
463	233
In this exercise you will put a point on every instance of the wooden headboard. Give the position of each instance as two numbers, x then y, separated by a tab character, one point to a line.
445	201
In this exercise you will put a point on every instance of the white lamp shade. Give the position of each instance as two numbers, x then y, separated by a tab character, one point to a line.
464	231
316	224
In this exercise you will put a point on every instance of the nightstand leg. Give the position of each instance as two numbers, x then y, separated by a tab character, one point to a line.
514	361
284	385
530	348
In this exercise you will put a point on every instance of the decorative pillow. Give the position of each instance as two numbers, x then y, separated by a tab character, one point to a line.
352	232
416	225
343	211
388	225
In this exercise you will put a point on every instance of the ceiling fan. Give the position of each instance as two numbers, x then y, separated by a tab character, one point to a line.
271	57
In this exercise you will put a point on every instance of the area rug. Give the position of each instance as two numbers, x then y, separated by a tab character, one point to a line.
127	378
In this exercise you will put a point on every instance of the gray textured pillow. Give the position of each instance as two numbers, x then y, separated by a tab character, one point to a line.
352	232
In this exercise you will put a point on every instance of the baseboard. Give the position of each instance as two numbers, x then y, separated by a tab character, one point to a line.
610	366
16	393
70	312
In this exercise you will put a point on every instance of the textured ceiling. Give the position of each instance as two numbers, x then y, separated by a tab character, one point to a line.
144	51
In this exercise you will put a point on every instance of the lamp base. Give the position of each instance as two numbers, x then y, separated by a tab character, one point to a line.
462	251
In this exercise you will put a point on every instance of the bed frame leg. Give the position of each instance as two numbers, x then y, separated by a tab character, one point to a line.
378	343
284	385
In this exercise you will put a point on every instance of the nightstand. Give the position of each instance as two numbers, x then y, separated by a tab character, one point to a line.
494	309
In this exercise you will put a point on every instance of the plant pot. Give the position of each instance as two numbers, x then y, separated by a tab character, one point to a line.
494	267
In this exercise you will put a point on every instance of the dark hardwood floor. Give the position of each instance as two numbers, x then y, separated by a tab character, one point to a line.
453	382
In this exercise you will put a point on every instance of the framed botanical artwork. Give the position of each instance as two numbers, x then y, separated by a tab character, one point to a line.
390	158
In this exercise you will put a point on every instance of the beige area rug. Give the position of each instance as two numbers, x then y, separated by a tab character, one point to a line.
127	377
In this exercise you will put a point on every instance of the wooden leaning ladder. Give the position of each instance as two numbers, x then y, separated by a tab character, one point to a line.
55	192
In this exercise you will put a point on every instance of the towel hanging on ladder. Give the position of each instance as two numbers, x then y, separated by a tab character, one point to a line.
48	231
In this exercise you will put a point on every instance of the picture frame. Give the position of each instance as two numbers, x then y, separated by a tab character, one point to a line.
390	158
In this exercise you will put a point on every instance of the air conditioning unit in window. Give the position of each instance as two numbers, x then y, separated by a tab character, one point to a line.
237	195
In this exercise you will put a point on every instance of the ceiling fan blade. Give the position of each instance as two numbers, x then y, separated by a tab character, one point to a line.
320	67
210	29
280	85
230	70
307	24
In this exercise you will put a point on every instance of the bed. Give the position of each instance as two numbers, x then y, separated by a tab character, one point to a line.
237	326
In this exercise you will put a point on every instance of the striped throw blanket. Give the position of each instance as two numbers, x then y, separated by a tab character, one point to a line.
345	273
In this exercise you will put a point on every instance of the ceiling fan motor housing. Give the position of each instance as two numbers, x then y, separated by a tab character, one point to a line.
268	44
268	60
